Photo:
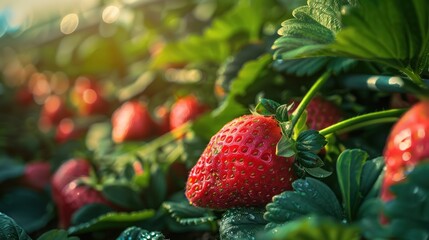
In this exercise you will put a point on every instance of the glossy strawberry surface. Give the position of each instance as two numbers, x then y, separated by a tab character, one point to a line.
407	145
239	166
132	121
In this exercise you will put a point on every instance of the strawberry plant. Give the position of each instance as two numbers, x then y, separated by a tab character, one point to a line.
217	119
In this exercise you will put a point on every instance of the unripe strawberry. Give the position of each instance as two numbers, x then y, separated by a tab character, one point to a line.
239	166
132	121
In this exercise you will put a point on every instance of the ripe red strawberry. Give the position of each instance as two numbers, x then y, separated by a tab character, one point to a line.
162	117
88	98
321	113
67	130
239	166
186	109
132	121
53	111
37	175
407	145
75	196
67	172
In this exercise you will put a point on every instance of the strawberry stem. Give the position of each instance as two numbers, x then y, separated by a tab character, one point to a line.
364	120
306	100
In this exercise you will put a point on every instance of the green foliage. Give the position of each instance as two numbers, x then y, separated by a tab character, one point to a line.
186	214
313	228
393	33
310	196
136	233
10	168
10	230
267	106
89	212
112	220
123	195
242	223
56	234
30	217
357	178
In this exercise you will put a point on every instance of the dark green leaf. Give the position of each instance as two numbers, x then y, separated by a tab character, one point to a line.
282	114
136	233
310	196
156	192
186	214
314	228
309	159
349	170
318	172
10	169
32	216
371	177
56	234
112	220
10	230
310	140
267	106
123	195
285	147
241	223
89	212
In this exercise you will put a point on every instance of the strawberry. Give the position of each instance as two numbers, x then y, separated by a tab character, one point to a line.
68	130
132	121
239	166
321	113
53	111
186	109
67	172
75	196
87	96
406	146
37	175
162	116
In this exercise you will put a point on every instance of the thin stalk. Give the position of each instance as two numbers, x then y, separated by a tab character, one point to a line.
363	121
307	98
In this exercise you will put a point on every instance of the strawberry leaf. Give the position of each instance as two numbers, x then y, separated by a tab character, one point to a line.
314	228
318	172
112	220
10	169
31	217
186	214
9	229
309	160
123	195
267	106
285	147
310	196
242	223
136	233
56	234
282	114
310	140
89	212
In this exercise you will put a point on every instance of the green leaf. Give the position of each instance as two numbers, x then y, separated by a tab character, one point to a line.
318	172
123	195
56	234
285	147
349	169
186	214
314	228
10	168
310	140
207	125
156	192
136	233
89	212
267	106
10	230
32	216
282	114
371	176
241	223
112	220
310	196
309	160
